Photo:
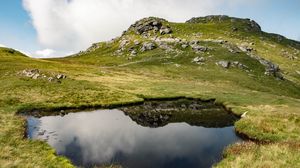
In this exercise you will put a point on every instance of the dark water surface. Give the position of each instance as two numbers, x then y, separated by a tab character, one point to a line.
106	137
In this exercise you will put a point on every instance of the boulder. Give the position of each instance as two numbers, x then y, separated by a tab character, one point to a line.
271	69
184	46
239	65
198	60
123	44
61	76
31	73
148	46
165	30
194	42
224	64
146	25
133	53
199	48
245	47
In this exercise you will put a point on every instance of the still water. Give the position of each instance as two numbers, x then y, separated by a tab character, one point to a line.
106	137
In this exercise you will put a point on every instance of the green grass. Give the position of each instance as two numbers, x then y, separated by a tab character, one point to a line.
102	79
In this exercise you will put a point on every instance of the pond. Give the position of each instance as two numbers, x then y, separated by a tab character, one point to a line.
181	133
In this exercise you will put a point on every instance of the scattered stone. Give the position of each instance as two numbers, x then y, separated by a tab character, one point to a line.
31	73
239	65
288	55
61	76
136	42
245	47
165	30
199	48
51	79
36	76
166	46
184	46
148	46
199	60
194	42
133	53
177	65
271	69
231	48
224	64
123	44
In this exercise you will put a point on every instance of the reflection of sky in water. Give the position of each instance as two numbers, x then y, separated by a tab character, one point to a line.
108	136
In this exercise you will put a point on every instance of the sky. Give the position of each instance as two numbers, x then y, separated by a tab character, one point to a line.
54	28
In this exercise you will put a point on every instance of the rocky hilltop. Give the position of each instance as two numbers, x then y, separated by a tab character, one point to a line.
227	34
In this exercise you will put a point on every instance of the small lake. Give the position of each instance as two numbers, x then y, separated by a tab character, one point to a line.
135	139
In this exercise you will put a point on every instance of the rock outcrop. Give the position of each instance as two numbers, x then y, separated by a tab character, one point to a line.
248	24
271	69
236	64
146	25
37	74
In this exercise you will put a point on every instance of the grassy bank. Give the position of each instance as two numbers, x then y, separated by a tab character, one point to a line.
102	79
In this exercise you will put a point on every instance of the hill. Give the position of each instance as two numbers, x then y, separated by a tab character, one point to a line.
228	59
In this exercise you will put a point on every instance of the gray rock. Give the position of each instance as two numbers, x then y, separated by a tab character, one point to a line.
31	73
123	43
246	48
148	46
133	53
271	69
239	65
51	79
61	76
36	76
194	42
165	30
184	46
136	42
199	48
199	60
224	64
150	24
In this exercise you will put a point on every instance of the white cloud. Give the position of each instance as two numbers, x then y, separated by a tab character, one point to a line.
72	25
1	45
44	53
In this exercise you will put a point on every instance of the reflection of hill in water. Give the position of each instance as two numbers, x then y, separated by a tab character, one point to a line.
192	111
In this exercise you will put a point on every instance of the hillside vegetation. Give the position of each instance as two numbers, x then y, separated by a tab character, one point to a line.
227	59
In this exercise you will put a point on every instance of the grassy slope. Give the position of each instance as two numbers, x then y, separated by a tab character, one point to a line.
101	78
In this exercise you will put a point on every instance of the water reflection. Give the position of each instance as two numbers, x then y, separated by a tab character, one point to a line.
104	137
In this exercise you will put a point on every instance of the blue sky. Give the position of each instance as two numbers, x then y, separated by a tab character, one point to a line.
16	30
58	27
